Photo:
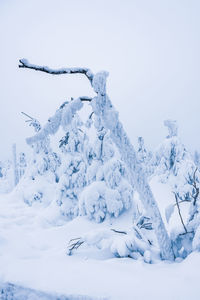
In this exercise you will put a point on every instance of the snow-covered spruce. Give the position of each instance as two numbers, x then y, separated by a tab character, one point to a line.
108	191
72	172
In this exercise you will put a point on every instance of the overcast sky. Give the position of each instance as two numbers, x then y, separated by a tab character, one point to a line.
150	48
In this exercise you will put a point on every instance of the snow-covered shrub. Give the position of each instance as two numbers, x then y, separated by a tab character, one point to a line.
38	191
131	243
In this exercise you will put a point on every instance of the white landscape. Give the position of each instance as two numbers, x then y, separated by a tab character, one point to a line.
99	177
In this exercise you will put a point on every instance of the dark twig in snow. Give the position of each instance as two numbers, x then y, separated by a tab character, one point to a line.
179	211
117	231
74	244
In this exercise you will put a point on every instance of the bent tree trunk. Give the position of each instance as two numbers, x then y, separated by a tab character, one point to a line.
103	108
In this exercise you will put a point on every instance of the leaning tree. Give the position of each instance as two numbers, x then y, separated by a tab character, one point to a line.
103	108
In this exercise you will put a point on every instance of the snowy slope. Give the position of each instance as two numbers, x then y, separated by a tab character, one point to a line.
33	255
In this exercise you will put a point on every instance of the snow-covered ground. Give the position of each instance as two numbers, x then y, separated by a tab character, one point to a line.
33	255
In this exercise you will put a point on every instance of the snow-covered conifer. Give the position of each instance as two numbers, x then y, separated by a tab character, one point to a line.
109	192
72	172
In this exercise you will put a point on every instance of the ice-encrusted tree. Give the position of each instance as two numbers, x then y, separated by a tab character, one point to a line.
103	108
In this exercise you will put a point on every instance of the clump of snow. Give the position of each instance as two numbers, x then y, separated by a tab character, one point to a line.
172	127
97	200
99	82
69	111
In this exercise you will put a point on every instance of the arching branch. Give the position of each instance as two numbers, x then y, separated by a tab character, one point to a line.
25	64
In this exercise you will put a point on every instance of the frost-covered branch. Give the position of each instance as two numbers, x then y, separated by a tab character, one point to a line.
25	64
62	117
32	122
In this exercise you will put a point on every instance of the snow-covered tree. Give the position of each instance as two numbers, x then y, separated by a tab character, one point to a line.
72	173
103	108
41	170
175	166
145	157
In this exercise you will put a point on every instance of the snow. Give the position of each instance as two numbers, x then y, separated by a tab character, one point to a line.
33	255
50	239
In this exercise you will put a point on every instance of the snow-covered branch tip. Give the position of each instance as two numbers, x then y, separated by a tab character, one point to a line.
87	72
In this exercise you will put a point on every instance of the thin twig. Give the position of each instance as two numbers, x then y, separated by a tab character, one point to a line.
179	211
27	115
117	231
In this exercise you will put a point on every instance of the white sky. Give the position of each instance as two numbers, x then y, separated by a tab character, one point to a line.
150	48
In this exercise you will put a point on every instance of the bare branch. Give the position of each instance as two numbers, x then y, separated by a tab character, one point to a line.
179	211
25	64
117	231
27	116
74	244
85	99
182	201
